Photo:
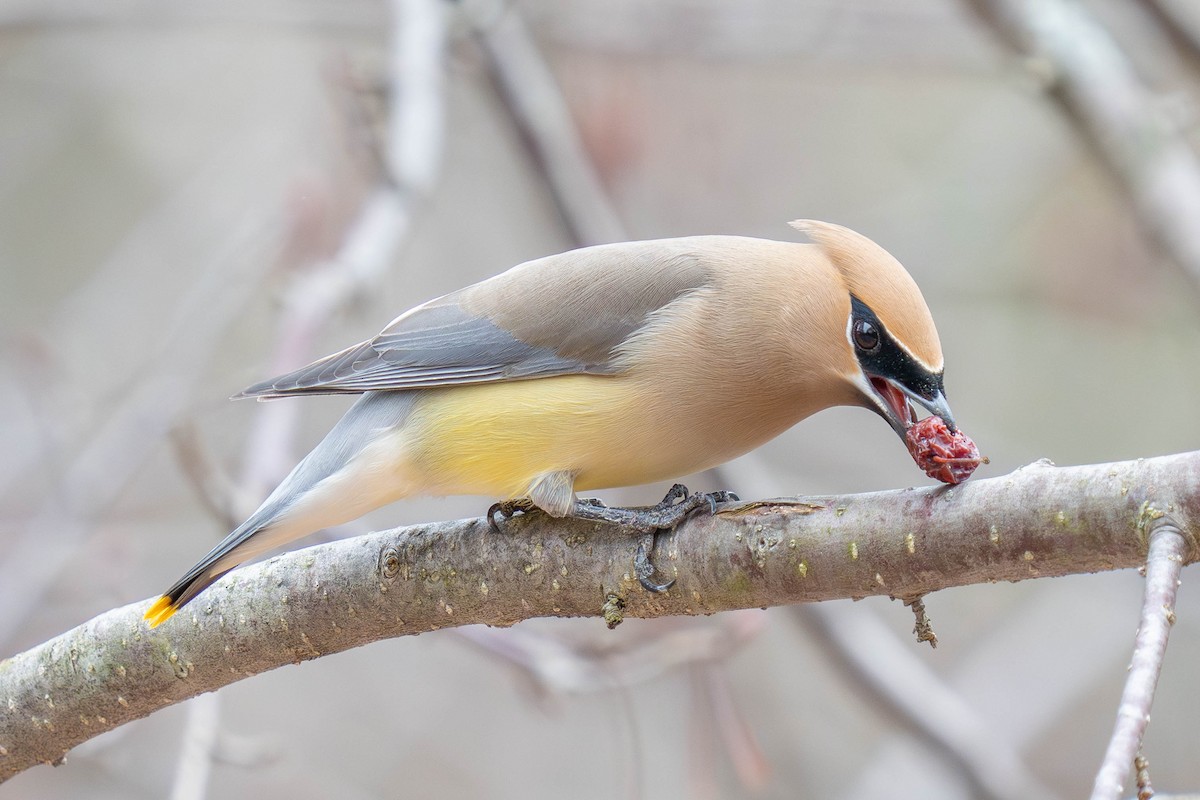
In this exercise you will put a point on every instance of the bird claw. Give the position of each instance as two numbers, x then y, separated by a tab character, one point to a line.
644	568
506	509
674	508
677	506
673	496
721	496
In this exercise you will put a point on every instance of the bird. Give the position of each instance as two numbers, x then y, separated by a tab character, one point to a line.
605	366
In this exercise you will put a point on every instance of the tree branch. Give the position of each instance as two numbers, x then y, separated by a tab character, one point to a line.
1039	521
1167	550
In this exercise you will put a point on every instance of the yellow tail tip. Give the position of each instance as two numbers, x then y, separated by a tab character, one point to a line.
162	610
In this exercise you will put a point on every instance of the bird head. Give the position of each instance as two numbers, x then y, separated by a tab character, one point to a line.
892	357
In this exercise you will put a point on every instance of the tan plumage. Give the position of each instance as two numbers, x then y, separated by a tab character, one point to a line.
878	279
606	366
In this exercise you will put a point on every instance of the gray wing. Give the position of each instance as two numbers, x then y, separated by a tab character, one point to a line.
561	315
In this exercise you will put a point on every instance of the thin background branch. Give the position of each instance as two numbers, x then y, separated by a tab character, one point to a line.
106	463
890	678
526	84
1168	551
412	152
1184	34
536	103
1099	89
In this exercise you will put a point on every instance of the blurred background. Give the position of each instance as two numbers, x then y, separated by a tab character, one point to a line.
194	196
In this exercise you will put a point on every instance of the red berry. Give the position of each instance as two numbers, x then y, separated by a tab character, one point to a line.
948	457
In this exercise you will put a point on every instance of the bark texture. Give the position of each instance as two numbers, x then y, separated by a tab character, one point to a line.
1039	521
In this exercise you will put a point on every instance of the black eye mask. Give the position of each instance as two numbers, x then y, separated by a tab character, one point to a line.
887	359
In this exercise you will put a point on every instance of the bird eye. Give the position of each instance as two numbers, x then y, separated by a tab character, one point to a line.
866	336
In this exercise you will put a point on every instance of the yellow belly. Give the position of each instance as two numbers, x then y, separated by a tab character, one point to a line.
495	439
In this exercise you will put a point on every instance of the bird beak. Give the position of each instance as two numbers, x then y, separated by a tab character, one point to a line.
891	400
938	406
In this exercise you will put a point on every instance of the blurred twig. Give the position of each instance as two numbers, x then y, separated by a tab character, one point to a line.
536	103
716	716
526	84
102	467
413	145
1168	550
199	741
1184	34
747	756
559	665
411	157
884	671
1097	86
213	486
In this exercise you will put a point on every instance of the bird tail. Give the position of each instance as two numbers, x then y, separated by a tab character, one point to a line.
294	508
210	568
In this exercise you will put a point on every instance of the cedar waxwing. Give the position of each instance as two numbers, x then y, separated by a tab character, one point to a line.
613	365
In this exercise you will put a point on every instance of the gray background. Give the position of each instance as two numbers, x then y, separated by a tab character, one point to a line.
165	168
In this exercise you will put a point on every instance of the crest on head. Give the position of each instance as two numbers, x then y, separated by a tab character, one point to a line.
877	279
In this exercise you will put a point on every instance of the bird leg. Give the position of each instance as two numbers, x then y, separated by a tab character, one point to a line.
592	501
506	508
677	506
644	568
673	509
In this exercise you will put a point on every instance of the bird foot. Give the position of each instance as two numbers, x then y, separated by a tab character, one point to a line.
677	506
674	508
644	568
506	508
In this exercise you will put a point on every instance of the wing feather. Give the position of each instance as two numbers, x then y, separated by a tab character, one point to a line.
561	315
